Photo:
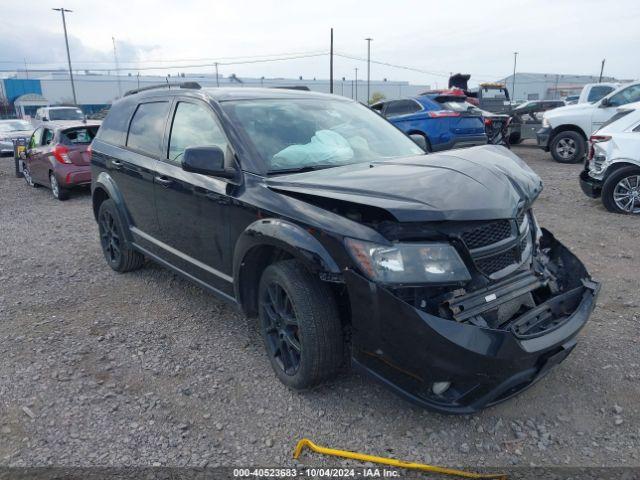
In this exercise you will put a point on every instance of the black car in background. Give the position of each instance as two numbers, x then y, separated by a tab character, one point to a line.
318	217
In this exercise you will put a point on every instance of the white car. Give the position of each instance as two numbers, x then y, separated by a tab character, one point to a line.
565	130
612	170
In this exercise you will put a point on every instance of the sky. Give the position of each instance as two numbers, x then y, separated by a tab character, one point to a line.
430	39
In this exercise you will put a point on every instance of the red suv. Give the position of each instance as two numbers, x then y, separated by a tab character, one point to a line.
59	157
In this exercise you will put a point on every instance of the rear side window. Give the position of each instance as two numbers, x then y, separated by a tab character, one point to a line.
114	127
401	107
598	92
78	136
147	127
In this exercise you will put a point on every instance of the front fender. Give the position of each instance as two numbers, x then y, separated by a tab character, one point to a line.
285	236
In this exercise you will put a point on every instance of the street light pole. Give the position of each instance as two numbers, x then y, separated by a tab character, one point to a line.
356	84
368	68
62	10
513	84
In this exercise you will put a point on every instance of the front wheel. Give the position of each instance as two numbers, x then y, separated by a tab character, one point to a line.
568	147
300	325
621	191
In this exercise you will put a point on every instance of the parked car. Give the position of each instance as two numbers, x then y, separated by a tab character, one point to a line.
612	169
318	217
565	130
57	114
592	92
58	157
10	130
445	121
571	99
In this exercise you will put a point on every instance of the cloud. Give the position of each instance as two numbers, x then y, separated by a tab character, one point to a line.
42	49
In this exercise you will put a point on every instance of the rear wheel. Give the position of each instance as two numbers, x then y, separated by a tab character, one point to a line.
117	252
568	147
57	191
300	325
621	191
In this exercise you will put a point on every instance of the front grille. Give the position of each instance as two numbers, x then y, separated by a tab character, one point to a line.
487	234
495	263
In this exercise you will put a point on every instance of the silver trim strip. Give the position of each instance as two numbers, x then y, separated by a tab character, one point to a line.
182	255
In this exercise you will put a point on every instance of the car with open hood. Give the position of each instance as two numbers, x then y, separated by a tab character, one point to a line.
347	243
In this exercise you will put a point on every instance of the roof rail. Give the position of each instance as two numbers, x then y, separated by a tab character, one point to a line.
190	85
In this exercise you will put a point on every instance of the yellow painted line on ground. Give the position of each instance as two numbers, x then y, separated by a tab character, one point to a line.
305	442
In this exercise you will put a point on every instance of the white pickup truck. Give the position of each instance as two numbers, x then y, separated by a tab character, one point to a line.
565	130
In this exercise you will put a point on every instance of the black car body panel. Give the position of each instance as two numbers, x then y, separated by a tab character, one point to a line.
590	186
542	137
222	232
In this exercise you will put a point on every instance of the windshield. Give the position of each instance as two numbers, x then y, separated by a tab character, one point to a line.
65	114
293	134
488	92
15	125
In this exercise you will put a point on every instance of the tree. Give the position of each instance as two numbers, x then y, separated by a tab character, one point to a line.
376	97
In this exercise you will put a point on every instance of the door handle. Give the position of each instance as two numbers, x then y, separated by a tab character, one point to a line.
117	164
164	181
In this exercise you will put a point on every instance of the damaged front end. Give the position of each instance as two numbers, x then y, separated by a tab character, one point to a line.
459	347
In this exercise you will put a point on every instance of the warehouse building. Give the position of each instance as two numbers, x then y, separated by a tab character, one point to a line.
96	91
548	86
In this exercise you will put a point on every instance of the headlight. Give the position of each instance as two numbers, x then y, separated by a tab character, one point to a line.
545	122
409	262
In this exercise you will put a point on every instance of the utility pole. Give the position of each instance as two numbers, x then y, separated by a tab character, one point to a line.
26	68
368	68
331	64
115	57
601	70
356	84
62	10
513	84
217	79
555	96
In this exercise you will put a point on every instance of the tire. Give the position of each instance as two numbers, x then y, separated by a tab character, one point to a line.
619	188
117	252
56	190
26	174
515	138
300	325
568	147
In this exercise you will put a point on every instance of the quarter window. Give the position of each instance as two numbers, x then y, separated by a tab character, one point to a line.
401	107
194	126
47	137
147	127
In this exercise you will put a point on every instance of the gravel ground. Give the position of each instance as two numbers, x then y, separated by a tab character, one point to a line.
147	369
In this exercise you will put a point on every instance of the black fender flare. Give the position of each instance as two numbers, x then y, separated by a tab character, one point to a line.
286	236
106	183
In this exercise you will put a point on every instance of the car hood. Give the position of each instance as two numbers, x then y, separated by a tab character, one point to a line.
480	183
569	109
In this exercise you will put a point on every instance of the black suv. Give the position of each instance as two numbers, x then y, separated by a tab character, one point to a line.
346	240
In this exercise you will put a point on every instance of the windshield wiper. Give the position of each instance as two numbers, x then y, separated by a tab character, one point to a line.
307	168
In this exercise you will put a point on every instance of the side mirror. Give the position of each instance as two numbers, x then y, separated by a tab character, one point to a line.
419	140
45	119
206	161
604	103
